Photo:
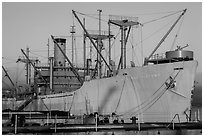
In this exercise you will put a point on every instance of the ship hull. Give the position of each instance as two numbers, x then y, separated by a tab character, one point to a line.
152	93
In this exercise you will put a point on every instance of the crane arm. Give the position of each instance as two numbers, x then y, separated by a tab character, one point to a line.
73	69
8	77
34	66
91	40
165	36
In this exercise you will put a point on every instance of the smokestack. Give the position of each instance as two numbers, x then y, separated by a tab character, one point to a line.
59	59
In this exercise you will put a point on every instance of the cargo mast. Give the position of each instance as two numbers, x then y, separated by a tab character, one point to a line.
95	37
165	36
124	23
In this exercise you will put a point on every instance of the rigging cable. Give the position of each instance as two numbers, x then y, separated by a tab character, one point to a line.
72	102
120	96
90	52
8	86
141	42
166	88
73	20
38	55
112	45
133	50
6	58
176	36
75	49
161	28
44	58
157	97
17	71
141	45
174	12
43	104
159	18
132	45
40	50
158	13
11	62
89	15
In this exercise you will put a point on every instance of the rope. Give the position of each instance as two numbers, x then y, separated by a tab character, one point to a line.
73	20
158	13
133	50
159	18
40	50
11	62
120	95
10	59
141	45
155	32
179	28
132	44
7	85
17	71
163	92
115	37
157	98
72	102
141	42
38	55
44	104
89	15
175	12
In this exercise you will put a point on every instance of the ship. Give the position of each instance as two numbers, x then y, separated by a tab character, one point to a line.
159	91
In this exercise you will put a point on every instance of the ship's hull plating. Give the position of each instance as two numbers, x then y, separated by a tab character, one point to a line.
152	93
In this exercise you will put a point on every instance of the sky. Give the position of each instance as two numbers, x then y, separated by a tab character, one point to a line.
31	24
